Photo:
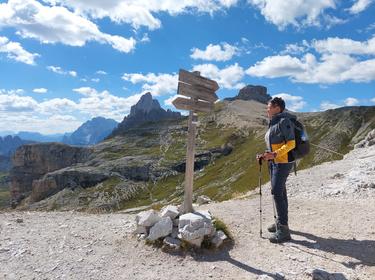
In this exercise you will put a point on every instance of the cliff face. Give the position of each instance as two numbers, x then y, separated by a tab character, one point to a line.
32	161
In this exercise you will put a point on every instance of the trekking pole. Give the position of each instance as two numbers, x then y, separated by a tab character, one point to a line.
260	195
273	202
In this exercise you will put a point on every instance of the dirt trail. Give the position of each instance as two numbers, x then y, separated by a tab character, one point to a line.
332	218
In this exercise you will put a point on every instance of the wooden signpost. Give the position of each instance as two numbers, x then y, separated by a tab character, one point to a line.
202	97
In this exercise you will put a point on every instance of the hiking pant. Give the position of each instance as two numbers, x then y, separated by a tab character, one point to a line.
279	173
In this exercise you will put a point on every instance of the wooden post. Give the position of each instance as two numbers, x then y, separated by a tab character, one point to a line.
190	159
196	87
189	170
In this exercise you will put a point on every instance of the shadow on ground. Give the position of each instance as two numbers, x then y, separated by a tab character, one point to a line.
223	254
362	250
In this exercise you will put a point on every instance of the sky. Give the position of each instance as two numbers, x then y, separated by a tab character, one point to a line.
63	62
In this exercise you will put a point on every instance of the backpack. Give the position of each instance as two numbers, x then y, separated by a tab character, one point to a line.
302	141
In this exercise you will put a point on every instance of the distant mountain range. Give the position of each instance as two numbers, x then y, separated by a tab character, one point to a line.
91	132
8	144
143	161
38	137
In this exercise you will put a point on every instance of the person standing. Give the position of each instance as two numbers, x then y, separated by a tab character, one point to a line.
280	141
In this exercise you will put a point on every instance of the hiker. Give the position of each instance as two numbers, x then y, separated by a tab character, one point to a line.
280	140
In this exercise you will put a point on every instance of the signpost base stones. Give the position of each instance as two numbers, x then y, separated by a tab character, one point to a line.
186	226
175	228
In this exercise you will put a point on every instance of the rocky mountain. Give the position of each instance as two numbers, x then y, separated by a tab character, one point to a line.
250	92
91	132
33	161
142	164
8	144
146	110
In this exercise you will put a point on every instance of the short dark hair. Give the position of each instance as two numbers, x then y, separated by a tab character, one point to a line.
278	101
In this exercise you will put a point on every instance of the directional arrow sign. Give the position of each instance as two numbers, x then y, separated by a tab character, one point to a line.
192	105
196	92
195	80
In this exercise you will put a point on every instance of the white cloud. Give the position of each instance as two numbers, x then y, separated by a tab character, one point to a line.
40	90
326	105
56	24
373	100
59	70
168	101
277	66
15	103
60	114
41	124
95	80
104	104
359	6
72	73
345	46
145	38
17	91
338	60
293	12
296	48
157	84
350	101
229	77
293	102
15	51
223	52
101	72
142	12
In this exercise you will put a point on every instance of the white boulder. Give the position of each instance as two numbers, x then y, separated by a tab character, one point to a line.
194	226
141	230
172	243
147	218
218	239
170	211
161	229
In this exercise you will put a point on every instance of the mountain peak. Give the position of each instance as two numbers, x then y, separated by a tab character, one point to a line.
147	109
145	104
251	92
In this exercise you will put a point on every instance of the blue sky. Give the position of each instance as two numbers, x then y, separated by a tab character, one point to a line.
63	62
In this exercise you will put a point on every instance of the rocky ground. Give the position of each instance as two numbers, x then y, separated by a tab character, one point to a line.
332	210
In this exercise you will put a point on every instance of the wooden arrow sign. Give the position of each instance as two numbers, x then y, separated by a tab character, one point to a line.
192	105
196	80
197	92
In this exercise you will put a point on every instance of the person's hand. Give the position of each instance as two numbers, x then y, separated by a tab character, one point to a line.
259	157
269	155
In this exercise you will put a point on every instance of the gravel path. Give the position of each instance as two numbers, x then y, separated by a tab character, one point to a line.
333	229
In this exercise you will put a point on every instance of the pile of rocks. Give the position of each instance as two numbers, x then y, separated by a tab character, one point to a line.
174	228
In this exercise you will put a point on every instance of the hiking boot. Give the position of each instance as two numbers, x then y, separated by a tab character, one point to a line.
281	235
272	228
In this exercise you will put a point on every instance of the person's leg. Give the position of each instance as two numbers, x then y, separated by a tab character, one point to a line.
285	195
272	227
279	175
